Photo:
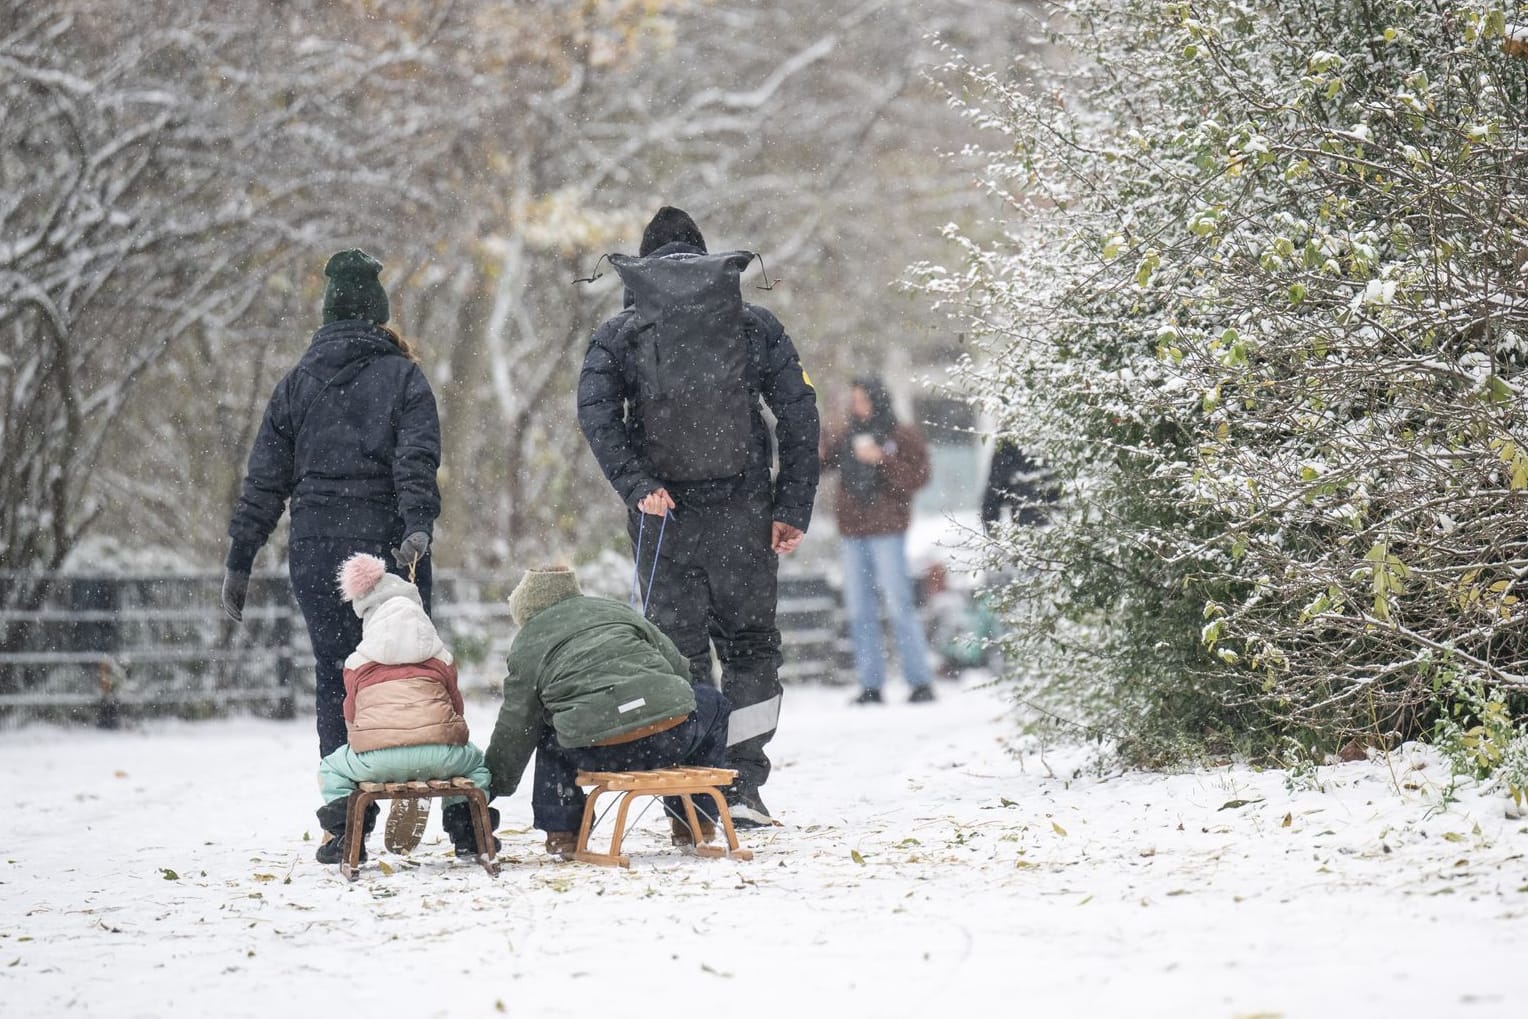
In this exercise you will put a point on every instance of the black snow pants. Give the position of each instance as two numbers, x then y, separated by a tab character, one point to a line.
716	581
333	627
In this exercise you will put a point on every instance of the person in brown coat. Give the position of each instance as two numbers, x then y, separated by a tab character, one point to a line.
881	464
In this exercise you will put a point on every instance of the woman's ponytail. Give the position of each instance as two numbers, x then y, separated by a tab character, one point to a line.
409	350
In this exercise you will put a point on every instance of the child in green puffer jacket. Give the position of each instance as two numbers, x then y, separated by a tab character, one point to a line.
593	686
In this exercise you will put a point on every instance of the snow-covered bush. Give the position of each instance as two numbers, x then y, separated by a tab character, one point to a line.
1479	738
1259	299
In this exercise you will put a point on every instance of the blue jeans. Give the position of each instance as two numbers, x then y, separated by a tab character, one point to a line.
557	802
875	573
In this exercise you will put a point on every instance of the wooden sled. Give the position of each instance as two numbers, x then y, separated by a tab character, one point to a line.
369	792
684	782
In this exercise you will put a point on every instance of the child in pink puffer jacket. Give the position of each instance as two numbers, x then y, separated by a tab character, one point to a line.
403	710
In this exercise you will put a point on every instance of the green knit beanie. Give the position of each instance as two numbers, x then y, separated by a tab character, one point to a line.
541	589
353	290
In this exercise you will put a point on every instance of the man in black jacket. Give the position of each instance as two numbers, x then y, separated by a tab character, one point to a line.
717	538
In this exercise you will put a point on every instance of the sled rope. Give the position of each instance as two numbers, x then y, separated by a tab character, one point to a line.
636	571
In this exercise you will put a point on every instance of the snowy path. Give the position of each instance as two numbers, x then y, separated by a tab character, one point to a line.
943	873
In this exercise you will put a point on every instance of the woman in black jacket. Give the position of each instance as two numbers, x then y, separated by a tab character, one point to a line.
351	440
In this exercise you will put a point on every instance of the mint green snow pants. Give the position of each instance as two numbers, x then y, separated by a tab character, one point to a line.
343	770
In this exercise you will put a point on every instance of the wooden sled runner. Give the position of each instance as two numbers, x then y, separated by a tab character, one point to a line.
685	782
369	792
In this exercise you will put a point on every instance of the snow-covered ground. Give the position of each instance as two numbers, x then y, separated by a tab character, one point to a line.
925	870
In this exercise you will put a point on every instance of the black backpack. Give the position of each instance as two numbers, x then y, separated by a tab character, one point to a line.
694	403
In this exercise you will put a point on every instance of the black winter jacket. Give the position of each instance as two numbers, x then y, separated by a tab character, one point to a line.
352	438
1017	482
608	383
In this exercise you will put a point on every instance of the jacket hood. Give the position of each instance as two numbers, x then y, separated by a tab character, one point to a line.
341	349
397	632
668	225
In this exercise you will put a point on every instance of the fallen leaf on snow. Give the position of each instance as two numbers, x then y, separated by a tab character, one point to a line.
1233	804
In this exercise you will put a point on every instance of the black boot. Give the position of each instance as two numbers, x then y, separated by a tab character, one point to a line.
332	817
457	822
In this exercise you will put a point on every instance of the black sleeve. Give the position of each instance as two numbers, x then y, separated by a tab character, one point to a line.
416	457
602	416
268	483
793	401
997	476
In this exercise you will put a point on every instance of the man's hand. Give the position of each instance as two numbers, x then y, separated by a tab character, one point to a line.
657	502
784	538
235	587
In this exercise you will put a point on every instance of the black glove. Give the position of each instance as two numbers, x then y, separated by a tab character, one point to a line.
235	587
414	548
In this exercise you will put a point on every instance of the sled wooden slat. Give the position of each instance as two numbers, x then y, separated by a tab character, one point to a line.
367	793
682	782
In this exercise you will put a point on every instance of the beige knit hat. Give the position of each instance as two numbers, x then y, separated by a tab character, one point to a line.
541	589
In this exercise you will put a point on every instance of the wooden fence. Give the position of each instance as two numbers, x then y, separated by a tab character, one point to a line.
94	649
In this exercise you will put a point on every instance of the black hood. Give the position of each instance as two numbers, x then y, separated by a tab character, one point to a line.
341	349
667	226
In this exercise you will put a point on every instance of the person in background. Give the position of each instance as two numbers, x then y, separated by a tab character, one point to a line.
594	686
1017	484
881	464
671	400
350	445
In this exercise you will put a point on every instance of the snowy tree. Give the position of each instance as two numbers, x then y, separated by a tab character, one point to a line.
1260	306
517	144
135	212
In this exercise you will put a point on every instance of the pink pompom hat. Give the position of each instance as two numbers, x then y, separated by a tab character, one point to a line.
365	583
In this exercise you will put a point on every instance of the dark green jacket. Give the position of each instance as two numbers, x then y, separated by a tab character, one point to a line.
591	668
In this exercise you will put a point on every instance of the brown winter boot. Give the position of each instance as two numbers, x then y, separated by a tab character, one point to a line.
679	831
561	844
